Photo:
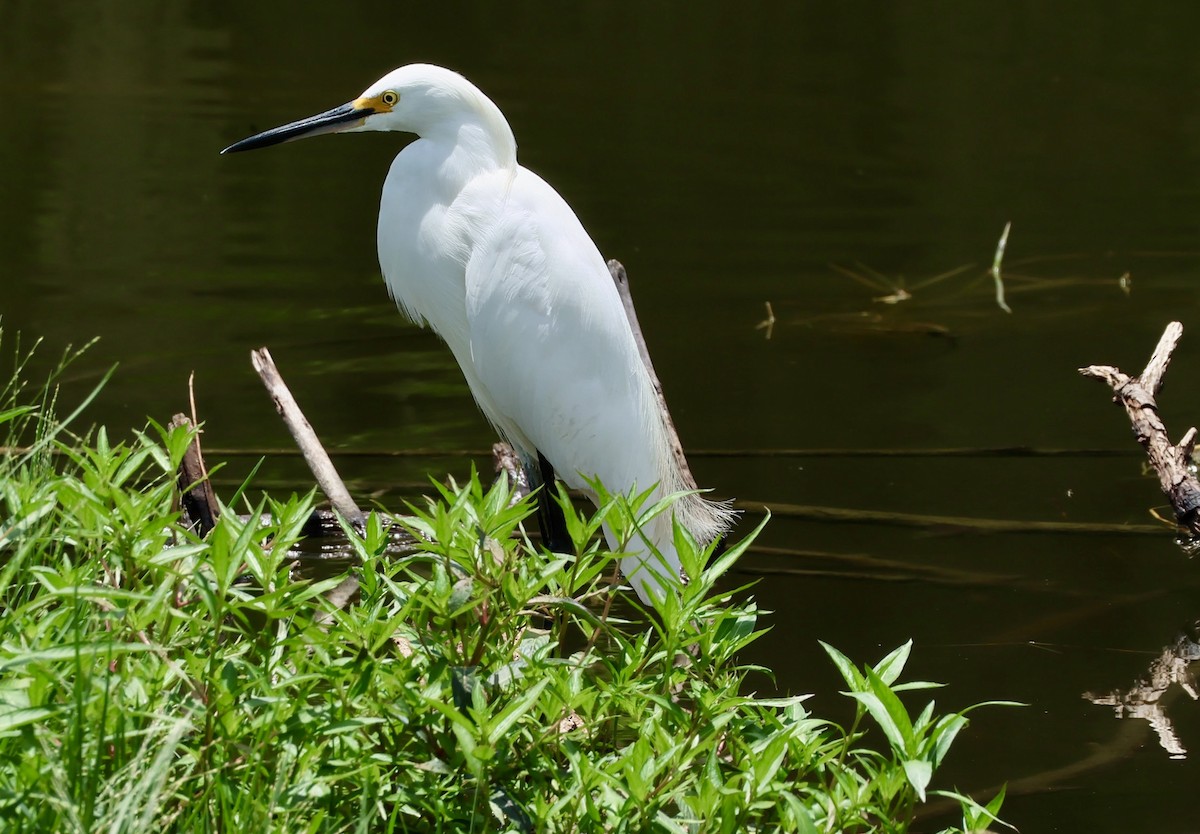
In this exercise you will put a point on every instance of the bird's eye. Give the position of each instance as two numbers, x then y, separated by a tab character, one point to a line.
389	98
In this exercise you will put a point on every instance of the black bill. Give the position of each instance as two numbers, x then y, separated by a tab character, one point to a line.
330	121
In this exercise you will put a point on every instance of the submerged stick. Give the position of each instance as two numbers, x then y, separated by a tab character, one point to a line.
621	279
314	453
941	523
1171	462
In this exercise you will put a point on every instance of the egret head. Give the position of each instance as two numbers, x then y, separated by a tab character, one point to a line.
418	98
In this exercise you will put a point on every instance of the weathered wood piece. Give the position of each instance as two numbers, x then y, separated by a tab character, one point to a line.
1170	461
507	463
199	503
621	279
306	439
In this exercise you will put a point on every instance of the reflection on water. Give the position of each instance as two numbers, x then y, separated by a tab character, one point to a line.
1148	697
730	157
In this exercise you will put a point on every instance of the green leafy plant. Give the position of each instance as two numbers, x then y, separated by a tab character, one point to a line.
154	681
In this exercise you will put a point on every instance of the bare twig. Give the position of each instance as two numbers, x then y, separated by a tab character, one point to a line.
767	324
995	270
314	453
192	399
1171	462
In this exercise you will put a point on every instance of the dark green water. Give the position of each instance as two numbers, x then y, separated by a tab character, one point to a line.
728	155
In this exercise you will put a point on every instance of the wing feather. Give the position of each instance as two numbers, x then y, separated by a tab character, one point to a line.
551	344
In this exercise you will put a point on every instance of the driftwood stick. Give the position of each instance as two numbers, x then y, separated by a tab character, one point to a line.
621	279
314	453
1152	377
200	508
1171	462
1188	444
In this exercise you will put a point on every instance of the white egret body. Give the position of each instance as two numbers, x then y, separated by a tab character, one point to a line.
496	262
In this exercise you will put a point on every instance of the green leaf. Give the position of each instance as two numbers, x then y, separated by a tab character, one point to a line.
460	595
10	414
15	718
452	712
727	559
993	807
890	667
801	819
919	773
513	713
849	673
891	716
944	733
61	653
349	725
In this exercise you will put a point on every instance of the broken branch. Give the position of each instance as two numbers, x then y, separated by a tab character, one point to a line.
306	439
1171	462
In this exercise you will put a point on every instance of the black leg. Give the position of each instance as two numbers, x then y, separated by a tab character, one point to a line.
551	520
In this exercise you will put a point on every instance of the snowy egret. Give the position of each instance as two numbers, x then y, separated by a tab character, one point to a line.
495	261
